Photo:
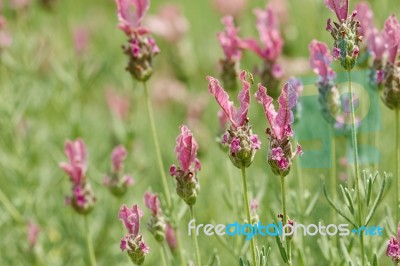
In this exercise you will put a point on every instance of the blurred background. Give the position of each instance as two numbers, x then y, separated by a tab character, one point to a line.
63	77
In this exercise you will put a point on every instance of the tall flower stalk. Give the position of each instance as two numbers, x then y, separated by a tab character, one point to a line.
391	83
187	183
280	132
82	199
346	37
140	50
239	138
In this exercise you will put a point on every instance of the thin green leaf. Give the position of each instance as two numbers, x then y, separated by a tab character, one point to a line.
369	190
345	252
337	209
377	201
375	260
311	205
350	200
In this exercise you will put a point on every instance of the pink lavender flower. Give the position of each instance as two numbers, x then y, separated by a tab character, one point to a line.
270	48
328	94
280	132
169	23
33	233
239	138
119	105
231	8
365	16
170	236
141	48
391	76
116	181
186	173
393	247
297	84
345	33
133	242
81	40
156	225
82	199
19	4
5	38
232	46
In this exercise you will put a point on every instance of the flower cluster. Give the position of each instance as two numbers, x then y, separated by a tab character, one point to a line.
156	225
187	183
280	132
82	199
141	48
133	242
329	99
231	45
345	32
391	72
239	137
393	247
118	185
271	48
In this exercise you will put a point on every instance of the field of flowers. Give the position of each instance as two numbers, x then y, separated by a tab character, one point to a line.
125	124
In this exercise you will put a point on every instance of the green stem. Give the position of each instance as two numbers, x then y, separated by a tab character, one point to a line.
333	177
195	243
247	207
288	244
179	247
163	255
10	208
397	163
356	166
157	146
89	243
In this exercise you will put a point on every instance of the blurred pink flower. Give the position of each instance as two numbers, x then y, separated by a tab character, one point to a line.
365	16
77	161
130	15
281	10
376	43
231	7
229	40
166	89
118	157
170	236
152	202
268	30
254	204
118	104
19	4
339	7
169	23
33	233
392	37
81	40
320	61
393	247
238	117
5	37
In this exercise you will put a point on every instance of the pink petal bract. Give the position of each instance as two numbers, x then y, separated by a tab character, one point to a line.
229	39
340	7
152	202
320	60
118	157
186	149
131	218
130	13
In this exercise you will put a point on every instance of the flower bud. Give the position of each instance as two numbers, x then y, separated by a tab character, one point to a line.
82	199
391	81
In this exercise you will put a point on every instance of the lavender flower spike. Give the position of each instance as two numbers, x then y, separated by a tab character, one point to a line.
280	132
133	242
393	247
156	224
239	137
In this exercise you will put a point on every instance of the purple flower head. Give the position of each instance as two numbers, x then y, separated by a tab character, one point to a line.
229	40
152	202
393	247
77	161
365	16
392	36
118	157
238	117
130	15
279	121
131	218
186	174
339	7
268	30
320	61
